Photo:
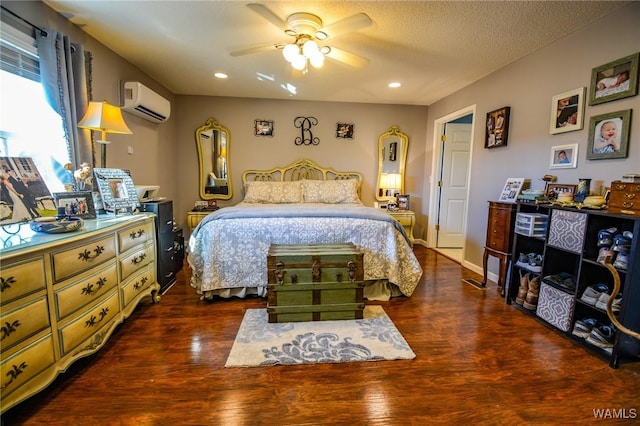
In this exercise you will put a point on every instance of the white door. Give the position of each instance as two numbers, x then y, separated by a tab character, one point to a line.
453	185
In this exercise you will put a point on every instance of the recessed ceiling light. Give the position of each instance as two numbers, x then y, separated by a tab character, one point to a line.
220	75
395	84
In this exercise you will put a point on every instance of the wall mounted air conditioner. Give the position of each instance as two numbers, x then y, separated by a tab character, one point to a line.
144	102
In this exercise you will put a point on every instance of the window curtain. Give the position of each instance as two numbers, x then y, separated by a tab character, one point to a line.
65	72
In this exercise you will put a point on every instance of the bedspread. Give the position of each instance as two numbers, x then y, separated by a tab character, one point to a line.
228	249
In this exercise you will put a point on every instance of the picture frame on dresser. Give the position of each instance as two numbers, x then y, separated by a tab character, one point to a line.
553	189
403	201
76	203
512	188
117	190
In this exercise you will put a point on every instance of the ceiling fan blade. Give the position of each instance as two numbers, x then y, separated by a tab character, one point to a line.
254	49
268	14
349	24
348	58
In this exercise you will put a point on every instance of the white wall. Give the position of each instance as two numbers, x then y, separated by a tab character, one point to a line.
527	86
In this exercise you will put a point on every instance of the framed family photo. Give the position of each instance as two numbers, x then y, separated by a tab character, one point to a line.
615	80
263	128
564	156
609	135
567	111
511	190
497	130
344	130
79	203
403	201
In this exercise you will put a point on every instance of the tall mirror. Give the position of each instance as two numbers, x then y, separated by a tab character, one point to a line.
392	156
213	141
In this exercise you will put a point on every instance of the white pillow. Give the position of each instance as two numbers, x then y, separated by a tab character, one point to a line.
273	192
330	191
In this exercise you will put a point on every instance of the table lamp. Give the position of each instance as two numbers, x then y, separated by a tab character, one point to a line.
105	118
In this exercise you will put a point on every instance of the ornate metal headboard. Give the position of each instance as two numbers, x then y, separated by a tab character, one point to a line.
299	170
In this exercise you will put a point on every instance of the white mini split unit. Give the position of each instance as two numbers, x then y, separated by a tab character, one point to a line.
144	102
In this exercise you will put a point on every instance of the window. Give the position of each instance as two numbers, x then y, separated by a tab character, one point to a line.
29	127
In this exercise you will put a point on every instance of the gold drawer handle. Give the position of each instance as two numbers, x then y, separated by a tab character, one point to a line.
9	328
87	256
352	270
14	373
629	196
134	235
5	283
315	271
627	204
89	290
94	320
279	272
140	284
138	259
620	186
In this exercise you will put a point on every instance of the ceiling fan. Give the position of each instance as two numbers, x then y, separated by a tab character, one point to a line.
309	36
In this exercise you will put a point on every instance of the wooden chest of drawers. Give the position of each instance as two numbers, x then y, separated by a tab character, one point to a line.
624	198
63	295
315	282
500	225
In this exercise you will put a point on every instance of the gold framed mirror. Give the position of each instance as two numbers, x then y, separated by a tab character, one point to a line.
392	157
213	140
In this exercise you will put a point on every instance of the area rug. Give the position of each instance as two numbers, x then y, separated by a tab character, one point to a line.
374	338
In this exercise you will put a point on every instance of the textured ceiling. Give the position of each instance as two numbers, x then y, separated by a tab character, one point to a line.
432	48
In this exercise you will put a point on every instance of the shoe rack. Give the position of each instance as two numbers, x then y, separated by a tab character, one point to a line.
571	249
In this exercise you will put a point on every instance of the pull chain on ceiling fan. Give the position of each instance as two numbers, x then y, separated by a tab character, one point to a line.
309	33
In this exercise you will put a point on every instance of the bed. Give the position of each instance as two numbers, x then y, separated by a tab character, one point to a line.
301	203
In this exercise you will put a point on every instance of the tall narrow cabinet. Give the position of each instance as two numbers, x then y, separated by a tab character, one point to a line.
170	248
570	249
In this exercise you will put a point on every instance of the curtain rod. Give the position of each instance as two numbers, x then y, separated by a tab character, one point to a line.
43	32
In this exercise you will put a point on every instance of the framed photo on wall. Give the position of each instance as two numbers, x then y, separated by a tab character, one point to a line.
564	156
344	130
263	128
567	111
609	135
79	203
497	129
615	80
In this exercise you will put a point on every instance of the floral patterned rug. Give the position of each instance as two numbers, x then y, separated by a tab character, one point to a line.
373	338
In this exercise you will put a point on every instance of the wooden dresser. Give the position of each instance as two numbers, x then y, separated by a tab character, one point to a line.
407	219
500	225
63	295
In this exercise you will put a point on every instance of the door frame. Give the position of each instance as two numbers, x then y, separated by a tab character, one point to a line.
436	170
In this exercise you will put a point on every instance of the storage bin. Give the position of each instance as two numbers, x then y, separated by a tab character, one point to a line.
555	306
531	224
567	230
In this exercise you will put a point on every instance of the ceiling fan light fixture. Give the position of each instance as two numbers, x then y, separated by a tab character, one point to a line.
299	62
310	48
321	35
290	51
317	59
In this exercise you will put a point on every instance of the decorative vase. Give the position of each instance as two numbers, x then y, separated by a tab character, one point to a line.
584	189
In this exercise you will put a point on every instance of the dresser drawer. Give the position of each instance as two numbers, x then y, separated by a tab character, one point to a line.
137	284
89	323
23	322
24	365
136	259
76	294
135	235
83	257
624	196
21	278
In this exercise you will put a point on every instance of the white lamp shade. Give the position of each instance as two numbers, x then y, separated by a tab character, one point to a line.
317	59
105	118
290	51
299	62
309	48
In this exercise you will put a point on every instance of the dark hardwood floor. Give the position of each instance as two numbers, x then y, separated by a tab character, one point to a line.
479	361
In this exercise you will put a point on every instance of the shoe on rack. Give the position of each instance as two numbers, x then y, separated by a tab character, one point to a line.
621	244
605	237
604	298
602	337
582	328
604	253
523	261
563	280
531	301
621	262
535	263
592	293
524	287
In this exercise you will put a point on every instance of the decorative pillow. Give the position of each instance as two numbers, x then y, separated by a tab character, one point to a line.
330	191
273	192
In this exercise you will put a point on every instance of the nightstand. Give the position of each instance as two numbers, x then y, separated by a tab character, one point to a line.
407	219
194	218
